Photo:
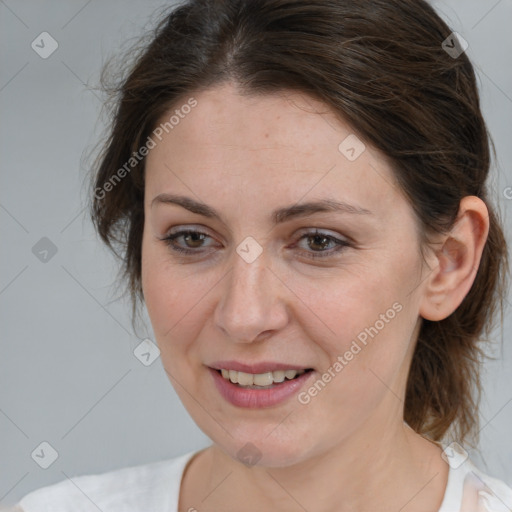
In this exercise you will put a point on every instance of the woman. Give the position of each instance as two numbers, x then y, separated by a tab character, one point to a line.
298	194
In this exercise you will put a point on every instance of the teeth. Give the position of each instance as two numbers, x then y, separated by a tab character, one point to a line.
263	379
260	379
278	375
233	376
244	379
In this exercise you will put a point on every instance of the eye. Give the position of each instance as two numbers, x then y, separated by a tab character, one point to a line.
319	241
194	241
195	238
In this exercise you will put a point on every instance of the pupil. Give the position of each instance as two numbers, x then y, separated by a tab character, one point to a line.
323	238
196	236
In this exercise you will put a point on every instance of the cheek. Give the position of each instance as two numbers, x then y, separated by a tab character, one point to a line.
356	302
370	319
366	358
166	294
175	297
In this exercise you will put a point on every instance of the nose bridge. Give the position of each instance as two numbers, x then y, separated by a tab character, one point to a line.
249	304
247	280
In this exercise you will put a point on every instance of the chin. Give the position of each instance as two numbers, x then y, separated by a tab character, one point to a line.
253	450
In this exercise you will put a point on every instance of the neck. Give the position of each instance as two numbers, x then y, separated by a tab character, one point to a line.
390	469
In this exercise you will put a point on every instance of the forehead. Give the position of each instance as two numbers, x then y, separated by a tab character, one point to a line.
280	147
287	120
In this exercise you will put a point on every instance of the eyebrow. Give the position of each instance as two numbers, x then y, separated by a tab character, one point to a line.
278	216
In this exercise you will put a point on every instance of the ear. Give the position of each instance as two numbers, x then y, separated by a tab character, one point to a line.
455	264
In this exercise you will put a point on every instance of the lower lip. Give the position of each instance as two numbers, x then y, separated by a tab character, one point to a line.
258	398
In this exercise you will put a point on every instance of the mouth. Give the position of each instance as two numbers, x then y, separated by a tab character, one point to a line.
271	386
266	380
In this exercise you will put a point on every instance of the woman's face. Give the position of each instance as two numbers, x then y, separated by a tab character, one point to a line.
251	296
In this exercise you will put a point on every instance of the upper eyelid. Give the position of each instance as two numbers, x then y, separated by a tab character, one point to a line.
203	229
303	232
184	230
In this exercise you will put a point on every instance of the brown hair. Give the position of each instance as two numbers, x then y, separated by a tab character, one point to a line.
380	65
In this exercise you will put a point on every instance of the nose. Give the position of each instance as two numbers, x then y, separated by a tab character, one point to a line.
251	306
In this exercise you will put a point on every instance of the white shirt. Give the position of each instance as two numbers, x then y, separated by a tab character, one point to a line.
155	487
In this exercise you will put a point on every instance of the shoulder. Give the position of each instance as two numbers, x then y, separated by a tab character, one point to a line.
144	487
488	493
471	490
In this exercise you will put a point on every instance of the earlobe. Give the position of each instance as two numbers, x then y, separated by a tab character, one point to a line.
456	263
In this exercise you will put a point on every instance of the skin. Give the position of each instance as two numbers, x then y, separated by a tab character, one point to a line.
246	156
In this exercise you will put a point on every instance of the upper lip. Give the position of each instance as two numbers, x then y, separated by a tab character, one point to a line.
255	368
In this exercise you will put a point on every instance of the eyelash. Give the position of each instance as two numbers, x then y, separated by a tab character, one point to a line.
341	244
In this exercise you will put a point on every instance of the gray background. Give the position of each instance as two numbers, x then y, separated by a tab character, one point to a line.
68	375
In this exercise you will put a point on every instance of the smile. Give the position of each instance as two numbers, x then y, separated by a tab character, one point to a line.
260	380
259	390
